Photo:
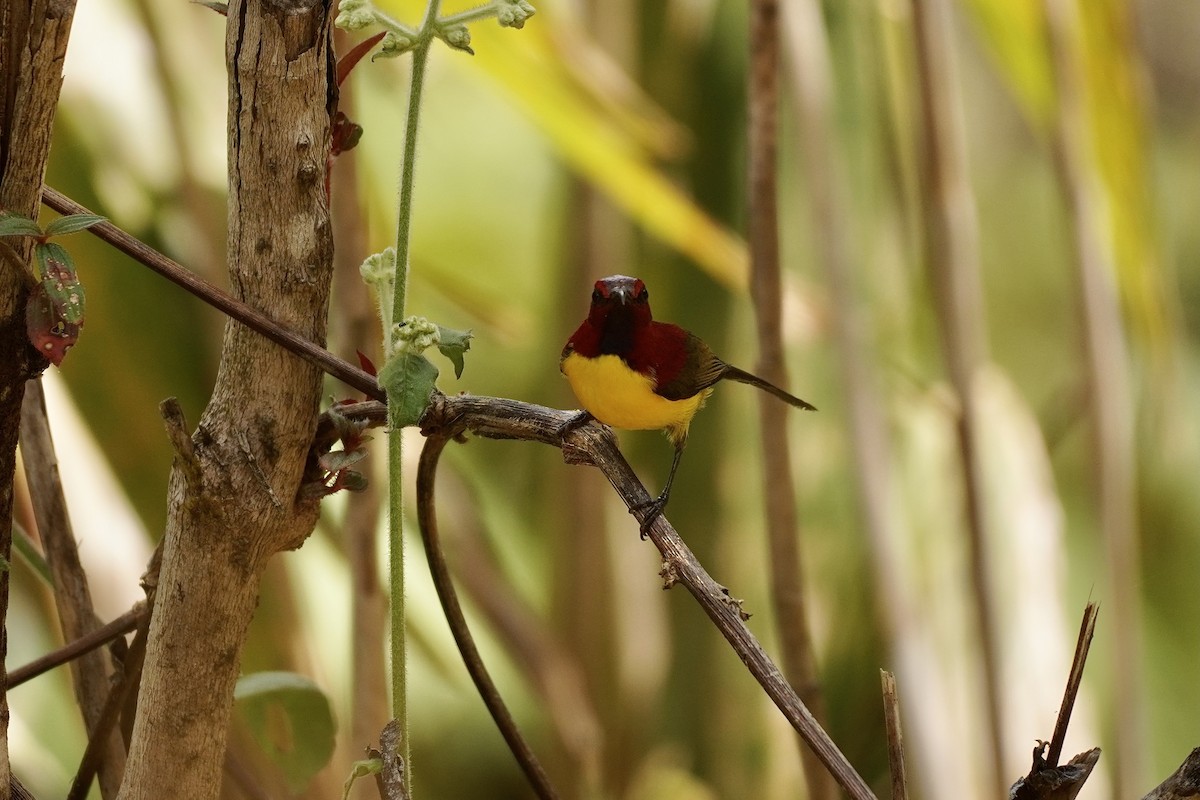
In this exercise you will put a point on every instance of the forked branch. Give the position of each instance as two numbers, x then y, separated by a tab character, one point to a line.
501	418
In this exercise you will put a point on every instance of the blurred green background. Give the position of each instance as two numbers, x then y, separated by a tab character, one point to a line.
609	137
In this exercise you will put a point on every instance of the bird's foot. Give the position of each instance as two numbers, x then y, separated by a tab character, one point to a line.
653	509
577	420
572	454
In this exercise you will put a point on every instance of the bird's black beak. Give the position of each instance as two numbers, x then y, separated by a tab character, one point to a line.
621	295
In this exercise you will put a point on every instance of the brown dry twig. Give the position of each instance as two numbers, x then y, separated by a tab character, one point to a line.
895	738
118	696
1087	630
427	520
1184	783
786	583
219	299
1046	779
1054	783
84	644
594	444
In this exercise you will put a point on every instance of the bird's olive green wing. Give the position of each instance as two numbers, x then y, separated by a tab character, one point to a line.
700	370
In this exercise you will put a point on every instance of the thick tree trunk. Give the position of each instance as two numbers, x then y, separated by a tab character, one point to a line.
234	497
33	41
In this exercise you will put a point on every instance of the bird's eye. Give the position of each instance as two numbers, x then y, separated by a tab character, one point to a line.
643	296
597	296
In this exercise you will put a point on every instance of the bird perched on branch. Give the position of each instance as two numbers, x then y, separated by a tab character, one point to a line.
631	372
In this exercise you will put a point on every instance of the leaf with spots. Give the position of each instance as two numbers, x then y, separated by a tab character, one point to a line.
54	312
57	273
52	335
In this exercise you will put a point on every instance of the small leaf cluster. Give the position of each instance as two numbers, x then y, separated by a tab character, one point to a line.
54	312
408	377
335	465
356	15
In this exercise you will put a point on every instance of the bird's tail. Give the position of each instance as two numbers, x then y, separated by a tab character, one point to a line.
732	373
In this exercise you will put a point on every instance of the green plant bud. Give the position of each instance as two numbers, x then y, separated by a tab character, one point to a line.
393	44
513	13
458	37
415	335
354	15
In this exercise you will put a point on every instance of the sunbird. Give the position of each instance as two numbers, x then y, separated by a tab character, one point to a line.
631	372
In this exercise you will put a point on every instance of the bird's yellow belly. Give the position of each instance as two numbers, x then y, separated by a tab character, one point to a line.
616	395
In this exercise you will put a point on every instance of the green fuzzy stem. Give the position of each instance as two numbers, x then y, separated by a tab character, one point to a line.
399	639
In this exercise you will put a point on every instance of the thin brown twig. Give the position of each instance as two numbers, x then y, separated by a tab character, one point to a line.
554	672
895	735
1087	628
1046	780
84	644
427	521
120	692
594	444
783	529
953	255
72	596
220	299
501	418
1110	401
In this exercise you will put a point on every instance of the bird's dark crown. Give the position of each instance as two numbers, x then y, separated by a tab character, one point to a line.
620	306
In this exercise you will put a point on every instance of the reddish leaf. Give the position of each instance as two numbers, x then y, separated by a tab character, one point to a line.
344	134
366	364
347	62
48	330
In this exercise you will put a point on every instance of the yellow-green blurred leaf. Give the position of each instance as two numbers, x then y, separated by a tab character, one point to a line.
1015	32
607	148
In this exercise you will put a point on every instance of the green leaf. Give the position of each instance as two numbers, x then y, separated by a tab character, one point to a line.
61	283
291	719
54	310
452	345
72	223
16	225
25	548
408	379
361	769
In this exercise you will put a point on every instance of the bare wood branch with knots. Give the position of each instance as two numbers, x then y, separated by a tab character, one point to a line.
595	444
